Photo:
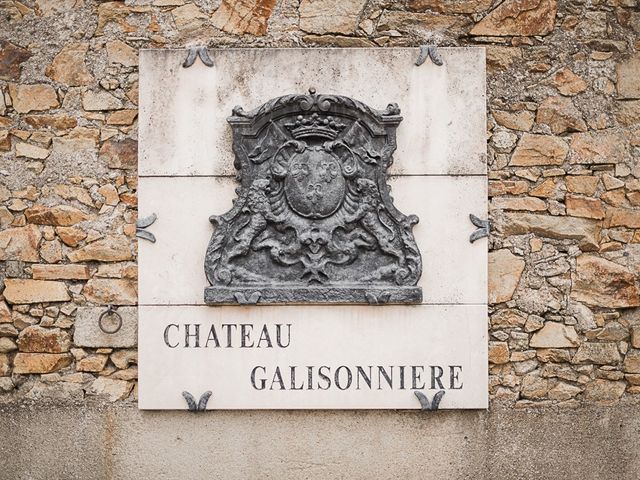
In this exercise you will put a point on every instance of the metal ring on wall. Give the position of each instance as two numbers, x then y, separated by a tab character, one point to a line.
111	310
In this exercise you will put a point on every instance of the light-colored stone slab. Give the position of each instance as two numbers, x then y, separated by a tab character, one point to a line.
88	333
452	338
172	269
183	111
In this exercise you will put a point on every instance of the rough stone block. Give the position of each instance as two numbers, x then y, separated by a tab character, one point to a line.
88	333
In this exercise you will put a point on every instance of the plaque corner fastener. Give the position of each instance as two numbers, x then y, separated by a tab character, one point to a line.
429	51
481	231
195	52
429	405
201	406
142	224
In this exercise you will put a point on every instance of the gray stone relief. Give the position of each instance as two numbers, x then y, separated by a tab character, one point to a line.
313	221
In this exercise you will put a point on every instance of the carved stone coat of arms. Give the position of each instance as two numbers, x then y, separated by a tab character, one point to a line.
313	221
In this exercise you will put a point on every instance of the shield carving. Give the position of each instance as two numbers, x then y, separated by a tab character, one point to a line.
315	187
313	221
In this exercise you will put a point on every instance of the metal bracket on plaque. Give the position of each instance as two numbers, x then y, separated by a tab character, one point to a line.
483	228
427	405
195	52
110	312
201	406
143	223
429	51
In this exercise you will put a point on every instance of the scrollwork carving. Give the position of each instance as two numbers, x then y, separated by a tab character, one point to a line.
313	220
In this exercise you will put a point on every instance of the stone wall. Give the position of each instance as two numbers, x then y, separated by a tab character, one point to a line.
564	151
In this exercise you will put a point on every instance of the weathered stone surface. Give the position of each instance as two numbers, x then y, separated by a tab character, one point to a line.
504	187
584	207
598	147
599	282
188	17
113	248
556	355
55	121
51	251
500	58
251	16
568	83
330	16
11	59
519	17
100	100
632	362
71	236
598	353
564	391
539	150
8	330
555	335
59	215
547	189
73	192
35	339
530	204
561	115
122	117
114	390
498	353
20	243
57	7
117	13
69	66
522	120
110	194
92	363
505	270
507	318
604	391
120	52
5	313
5	365
534	387
459	6
120	154
80	138
34	291
584	184
28	150
29	98
628	73
60	272
111	292
124	358
410	22
26	363
585	231
622	217
7	345
635	336
628	113
87	333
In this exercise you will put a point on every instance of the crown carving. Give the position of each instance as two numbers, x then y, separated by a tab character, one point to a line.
315	126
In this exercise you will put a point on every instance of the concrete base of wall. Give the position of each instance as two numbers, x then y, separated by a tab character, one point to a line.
120	442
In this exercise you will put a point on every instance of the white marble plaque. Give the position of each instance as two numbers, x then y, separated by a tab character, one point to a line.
313	357
336	356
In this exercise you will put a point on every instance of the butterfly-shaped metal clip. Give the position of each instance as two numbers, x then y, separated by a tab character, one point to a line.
432	405
201	406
